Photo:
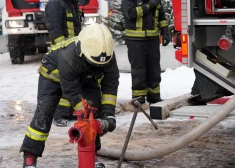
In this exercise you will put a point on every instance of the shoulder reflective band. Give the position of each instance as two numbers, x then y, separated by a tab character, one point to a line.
54	75
62	44
154	90
109	99
36	135
59	39
163	23
70	25
64	102
139	92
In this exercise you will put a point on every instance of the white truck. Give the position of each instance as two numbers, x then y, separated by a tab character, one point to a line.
24	28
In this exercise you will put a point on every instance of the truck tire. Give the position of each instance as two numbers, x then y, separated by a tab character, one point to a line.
16	50
17	55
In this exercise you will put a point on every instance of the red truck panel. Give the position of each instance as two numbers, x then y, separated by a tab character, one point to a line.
176	4
92	7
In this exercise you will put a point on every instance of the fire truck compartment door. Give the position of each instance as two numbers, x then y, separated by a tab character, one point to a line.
3	42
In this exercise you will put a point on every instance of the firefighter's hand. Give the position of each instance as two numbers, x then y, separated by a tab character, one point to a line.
112	123
153	3
165	39
108	124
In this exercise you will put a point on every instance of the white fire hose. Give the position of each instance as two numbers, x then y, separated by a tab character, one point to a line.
177	144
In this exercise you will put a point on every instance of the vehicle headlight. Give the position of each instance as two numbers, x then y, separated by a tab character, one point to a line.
15	23
91	19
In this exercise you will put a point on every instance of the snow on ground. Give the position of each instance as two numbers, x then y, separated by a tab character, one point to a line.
18	90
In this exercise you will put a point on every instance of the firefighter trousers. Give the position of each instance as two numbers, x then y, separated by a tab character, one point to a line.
144	57
49	94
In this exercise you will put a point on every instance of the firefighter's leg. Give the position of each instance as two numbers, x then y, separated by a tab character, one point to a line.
137	55
153	71
49	94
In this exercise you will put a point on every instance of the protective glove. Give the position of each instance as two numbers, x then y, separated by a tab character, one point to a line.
108	124
153	3
112	123
165	39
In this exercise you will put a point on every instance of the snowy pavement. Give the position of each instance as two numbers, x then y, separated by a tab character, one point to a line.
18	90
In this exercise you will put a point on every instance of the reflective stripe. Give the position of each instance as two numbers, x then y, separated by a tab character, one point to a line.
100	80
59	39
62	44
154	90
54	75
163	23
64	102
139	92
70	25
139	25
139	11
79	106
109	99
36	135
140	33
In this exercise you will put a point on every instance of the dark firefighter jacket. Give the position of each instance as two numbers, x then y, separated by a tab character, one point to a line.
141	22
62	64
63	19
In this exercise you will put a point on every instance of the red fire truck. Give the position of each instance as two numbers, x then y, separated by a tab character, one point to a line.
24	25
204	39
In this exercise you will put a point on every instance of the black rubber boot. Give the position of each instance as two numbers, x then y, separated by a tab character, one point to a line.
99	165
61	122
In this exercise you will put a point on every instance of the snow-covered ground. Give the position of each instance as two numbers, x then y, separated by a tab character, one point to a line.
18	90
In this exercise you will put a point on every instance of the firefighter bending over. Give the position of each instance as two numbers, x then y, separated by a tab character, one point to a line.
81	67
63	22
144	21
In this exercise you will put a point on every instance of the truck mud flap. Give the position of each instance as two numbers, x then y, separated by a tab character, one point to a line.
3	42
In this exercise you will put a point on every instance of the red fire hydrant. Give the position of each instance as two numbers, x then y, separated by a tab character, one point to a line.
84	132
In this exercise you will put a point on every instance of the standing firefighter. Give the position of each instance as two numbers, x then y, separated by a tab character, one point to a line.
63	22
80	67
144	21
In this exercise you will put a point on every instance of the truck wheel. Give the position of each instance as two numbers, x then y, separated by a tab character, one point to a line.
16	49
17	55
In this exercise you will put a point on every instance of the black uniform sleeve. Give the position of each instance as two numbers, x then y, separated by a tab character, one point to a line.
131	11
54	17
163	23
70	84
109	88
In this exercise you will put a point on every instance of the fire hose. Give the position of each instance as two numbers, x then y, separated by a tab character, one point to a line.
177	144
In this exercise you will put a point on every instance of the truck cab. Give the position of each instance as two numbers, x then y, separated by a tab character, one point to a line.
204	39
25	29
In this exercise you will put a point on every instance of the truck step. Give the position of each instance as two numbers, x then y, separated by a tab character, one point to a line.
199	112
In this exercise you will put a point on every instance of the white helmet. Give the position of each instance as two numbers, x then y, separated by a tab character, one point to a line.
96	44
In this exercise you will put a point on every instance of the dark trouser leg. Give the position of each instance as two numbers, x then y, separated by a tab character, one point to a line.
153	71
137	55
49	94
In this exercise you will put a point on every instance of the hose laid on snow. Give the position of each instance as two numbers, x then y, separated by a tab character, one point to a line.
179	143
